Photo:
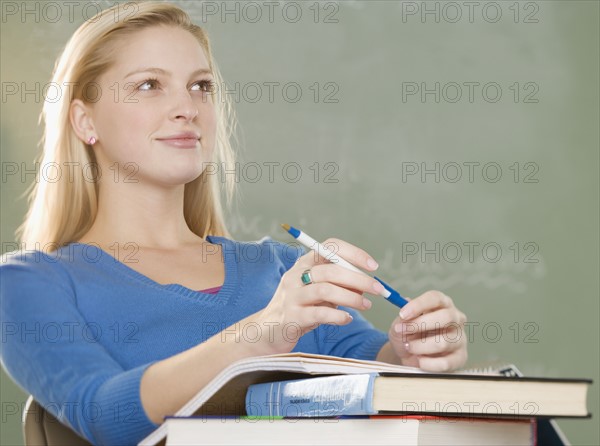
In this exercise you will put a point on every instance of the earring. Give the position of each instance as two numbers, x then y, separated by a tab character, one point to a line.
92	140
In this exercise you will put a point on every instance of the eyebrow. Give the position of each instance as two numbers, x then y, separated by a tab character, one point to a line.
165	72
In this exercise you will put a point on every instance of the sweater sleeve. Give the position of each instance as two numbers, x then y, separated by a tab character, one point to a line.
49	350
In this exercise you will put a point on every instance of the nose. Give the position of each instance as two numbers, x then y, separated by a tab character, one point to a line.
184	107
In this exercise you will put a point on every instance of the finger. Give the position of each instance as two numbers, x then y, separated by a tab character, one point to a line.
324	315
353	254
354	290
435	344
307	260
310	260
425	303
444	363
435	321
320	292
343	277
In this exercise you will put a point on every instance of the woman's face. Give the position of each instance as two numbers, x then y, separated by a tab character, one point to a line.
156	110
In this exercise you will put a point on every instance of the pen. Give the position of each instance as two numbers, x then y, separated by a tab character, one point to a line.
389	293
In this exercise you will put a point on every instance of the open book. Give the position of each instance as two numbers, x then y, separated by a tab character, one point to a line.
226	393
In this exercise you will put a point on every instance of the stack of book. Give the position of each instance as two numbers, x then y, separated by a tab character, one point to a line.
300	399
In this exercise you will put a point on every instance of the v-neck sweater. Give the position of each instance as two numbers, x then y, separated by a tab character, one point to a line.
80	327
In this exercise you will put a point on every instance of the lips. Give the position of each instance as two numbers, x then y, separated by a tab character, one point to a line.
183	140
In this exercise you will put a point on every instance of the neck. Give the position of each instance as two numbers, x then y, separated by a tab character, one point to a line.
142	216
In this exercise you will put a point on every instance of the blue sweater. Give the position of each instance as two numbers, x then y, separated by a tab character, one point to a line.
79	328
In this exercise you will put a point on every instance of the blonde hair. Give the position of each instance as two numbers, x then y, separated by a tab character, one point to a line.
61	212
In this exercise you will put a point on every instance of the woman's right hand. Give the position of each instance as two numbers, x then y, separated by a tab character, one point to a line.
296	309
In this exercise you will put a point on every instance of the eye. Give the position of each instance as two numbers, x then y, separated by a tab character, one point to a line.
206	85
148	84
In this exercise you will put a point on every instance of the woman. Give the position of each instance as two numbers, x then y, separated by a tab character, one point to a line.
145	298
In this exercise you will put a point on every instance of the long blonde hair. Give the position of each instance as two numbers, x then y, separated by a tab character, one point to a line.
61	212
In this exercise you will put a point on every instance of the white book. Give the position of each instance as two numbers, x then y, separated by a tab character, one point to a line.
374	431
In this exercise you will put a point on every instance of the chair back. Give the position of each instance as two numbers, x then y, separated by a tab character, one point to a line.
41	428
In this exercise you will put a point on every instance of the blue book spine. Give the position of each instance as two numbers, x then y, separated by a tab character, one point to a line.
327	396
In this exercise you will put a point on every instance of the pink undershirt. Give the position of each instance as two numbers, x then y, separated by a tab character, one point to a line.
214	290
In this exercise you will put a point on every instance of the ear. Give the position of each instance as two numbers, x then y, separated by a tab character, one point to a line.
80	115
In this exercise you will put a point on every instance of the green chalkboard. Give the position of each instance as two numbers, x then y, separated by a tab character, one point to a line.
456	142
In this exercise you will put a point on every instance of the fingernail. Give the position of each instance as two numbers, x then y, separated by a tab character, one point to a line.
398	328
350	317
372	263
366	303
405	313
378	287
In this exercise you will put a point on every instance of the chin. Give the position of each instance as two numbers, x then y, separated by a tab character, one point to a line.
180	177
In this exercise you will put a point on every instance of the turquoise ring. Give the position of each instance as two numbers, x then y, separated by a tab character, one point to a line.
306	279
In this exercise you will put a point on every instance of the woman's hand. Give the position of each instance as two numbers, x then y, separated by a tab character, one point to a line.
429	333
296	309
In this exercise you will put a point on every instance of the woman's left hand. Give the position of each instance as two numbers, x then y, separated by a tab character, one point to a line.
429	334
